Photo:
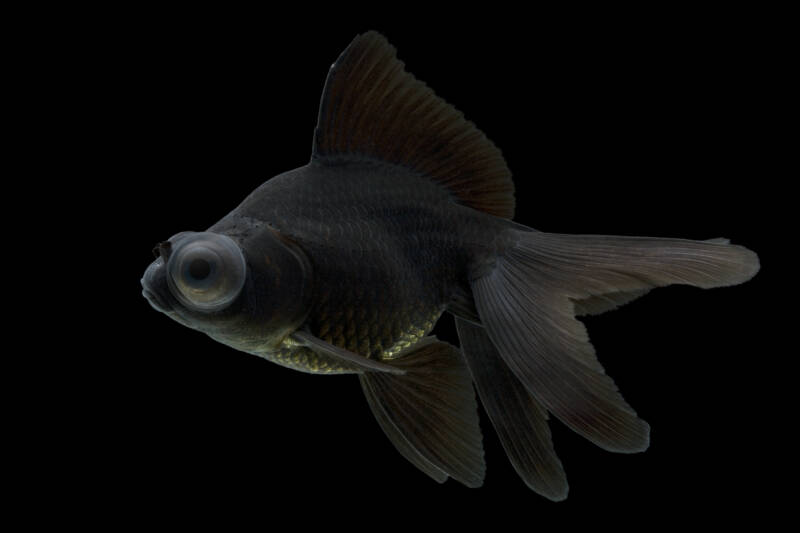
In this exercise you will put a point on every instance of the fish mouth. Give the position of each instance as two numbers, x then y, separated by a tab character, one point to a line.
155	301
149	282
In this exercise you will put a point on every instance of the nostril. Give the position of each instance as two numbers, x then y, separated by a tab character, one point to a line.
163	250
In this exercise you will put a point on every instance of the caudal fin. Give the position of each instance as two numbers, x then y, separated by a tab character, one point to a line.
520	422
529	299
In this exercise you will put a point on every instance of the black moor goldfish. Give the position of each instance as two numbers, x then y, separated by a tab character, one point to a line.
343	266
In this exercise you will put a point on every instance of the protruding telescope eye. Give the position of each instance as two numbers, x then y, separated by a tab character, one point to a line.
206	270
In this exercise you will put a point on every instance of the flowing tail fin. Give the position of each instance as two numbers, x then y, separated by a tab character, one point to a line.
528	301
520	422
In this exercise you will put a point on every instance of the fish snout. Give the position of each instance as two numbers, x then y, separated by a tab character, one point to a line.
154	284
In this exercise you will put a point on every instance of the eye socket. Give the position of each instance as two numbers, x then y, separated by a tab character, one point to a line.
206	270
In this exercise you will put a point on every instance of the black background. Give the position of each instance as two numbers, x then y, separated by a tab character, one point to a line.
655	124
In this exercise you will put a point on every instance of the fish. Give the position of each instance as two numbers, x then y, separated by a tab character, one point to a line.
403	213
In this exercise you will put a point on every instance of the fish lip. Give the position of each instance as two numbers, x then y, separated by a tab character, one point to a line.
155	301
148	281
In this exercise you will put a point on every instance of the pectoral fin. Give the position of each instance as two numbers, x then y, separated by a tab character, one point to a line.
325	348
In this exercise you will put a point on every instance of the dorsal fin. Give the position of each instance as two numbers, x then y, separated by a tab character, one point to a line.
372	108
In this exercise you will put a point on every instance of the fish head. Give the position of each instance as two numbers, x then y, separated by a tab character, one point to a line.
248	291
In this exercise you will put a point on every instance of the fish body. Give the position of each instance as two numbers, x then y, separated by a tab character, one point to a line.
403	213
400	259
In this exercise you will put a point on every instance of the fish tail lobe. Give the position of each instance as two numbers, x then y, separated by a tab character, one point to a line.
527	302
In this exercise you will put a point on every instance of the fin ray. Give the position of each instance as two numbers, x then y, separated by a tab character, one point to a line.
430	413
527	304
589	265
518	419
357	361
595	305
372	108
401	443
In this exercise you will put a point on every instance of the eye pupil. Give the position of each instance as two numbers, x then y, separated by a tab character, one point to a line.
199	269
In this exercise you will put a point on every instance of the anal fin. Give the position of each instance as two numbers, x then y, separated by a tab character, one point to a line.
430	413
